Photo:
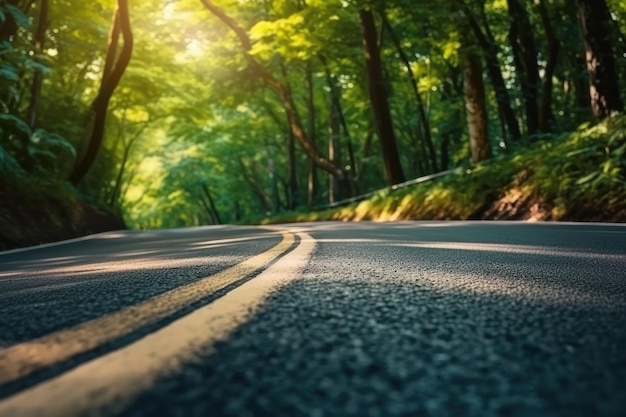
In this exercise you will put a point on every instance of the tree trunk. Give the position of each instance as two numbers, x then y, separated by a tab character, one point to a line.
293	174
379	99
40	36
367	144
114	69
490	50
421	110
291	189
354	169
120	175
207	210
273	184
236	210
445	152
354	172
336	126
311	113
215	213
451	129
546	116
476	109
334	148
603	78
252	179
525	52
118	179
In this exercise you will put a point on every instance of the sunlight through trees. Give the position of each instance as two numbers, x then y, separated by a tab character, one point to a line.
188	112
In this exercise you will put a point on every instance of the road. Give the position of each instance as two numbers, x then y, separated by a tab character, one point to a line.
328	319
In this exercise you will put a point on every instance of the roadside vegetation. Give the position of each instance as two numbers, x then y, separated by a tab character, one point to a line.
36	210
578	176
157	114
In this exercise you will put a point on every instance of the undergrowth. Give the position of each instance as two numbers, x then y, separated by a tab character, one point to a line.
575	176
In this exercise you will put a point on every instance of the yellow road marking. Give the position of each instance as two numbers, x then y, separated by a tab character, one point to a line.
107	384
25	358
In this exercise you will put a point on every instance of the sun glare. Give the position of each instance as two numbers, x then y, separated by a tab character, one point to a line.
169	10
194	47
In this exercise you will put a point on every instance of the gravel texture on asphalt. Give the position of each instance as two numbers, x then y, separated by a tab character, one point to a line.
374	330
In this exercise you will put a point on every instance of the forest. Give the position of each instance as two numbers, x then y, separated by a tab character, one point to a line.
175	113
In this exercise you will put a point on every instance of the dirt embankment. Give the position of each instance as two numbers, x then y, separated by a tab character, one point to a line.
29	217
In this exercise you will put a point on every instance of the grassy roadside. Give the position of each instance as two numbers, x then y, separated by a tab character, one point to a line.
579	176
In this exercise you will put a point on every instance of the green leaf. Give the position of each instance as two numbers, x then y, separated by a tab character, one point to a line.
18	15
5	46
590	150
14	123
587	178
9	72
34	152
39	65
41	138
8	164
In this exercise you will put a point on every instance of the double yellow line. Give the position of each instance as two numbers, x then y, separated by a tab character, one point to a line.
26	358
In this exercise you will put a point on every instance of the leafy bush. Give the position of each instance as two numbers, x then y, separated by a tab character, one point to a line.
39	152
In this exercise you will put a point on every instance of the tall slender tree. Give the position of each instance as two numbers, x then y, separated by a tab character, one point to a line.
603	78
38	43
379	99
475	108
546	116
312	182
489	47
525	55
421	108
114	67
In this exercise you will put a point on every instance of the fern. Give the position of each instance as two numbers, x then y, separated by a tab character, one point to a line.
50	153
40	152
10	124
42	138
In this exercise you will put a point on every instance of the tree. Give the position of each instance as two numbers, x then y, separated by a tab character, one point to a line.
546	116
379	100
475	108
603	79
489	46
114	68
224	104
312	182
40	34
421	110
525	55
284	94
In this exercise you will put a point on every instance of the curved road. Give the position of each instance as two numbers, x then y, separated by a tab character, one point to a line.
328	319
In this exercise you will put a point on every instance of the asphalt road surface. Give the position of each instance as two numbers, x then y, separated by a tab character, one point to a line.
330	319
